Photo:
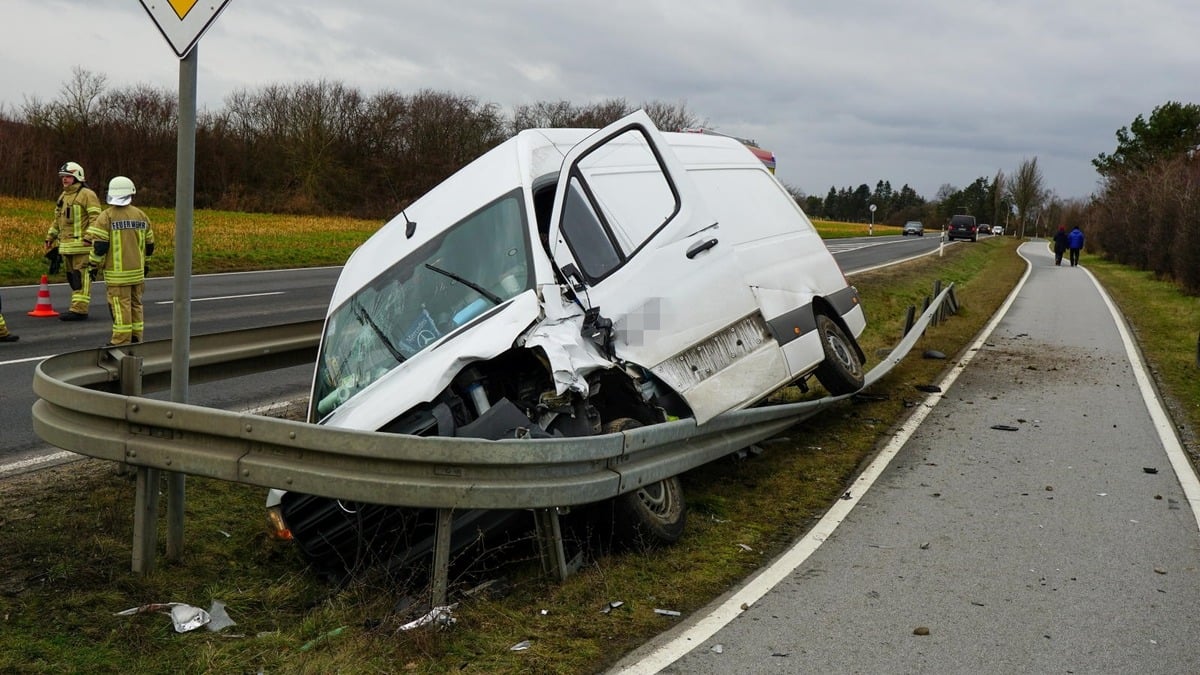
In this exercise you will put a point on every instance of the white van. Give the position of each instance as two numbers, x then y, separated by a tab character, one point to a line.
573	282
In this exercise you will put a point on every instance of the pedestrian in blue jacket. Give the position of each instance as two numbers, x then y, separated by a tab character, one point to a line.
1075	243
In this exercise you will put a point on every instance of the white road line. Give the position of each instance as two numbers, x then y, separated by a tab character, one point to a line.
25	360
24	465
224	297
767	578
1184	471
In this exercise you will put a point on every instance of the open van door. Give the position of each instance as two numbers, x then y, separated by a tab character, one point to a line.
633	237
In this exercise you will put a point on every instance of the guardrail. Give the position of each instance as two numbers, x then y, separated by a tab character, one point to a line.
90	402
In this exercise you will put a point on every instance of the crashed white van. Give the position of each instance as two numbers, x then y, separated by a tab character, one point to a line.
572	282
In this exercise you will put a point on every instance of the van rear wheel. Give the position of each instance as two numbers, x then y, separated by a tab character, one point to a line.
841	372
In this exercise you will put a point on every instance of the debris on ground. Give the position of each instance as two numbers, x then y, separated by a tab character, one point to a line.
611	606
184	617
1005	427
520	646
666	612
928	388
933	354
440	616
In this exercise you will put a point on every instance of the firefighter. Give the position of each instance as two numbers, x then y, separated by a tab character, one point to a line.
76	211
6	336
122	241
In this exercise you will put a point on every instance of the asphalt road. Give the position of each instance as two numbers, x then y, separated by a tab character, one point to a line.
1063	542
220	302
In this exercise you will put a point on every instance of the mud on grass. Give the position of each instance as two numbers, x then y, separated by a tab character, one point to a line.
67	533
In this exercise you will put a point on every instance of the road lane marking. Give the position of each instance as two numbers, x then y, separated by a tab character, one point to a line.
27	465
25	360
224	297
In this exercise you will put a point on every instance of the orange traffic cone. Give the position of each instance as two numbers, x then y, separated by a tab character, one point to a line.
43	306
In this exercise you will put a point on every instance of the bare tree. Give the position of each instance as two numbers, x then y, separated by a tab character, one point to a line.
1027	193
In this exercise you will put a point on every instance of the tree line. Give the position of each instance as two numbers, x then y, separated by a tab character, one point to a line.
320	147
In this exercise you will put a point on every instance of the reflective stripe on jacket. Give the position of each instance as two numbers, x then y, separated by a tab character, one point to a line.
127	231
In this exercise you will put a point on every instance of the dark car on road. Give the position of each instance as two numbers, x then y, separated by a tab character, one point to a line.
962	227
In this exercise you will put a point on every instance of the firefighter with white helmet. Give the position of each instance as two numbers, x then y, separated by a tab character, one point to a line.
76	210
122	240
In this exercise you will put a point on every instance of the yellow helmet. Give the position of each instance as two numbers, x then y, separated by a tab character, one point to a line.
72	169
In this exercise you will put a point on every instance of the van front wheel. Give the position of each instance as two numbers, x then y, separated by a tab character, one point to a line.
841	372
655	513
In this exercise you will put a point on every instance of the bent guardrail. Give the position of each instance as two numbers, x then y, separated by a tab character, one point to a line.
80	409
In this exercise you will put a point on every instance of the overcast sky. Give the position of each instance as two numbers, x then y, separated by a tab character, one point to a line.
924	93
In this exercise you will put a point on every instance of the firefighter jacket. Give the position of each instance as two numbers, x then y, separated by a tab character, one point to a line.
76	211
121	241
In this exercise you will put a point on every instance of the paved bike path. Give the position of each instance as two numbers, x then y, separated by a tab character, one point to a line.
1066	545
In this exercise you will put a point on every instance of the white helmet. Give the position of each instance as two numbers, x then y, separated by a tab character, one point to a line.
120	191
72	169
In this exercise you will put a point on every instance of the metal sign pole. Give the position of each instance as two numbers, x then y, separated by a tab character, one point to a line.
185	174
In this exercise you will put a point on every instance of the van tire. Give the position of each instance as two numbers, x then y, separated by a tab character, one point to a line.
653	514
841	372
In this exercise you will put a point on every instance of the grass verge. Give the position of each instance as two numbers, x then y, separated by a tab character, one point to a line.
64	568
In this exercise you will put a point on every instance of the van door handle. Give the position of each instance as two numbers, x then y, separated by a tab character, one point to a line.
700	247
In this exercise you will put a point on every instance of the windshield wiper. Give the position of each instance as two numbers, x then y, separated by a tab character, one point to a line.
496	300
363	317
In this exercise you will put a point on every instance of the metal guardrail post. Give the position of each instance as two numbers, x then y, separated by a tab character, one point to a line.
550	545
441	556
145	520
909	318
145	514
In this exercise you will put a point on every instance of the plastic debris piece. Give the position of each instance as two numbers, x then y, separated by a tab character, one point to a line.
611	606
933	354
218	617
1159	570
666	612
1005	427
928	388
718	648
921	630
520	646
440	615
744	547
313	642
924	545
545	612
186	617
1150	469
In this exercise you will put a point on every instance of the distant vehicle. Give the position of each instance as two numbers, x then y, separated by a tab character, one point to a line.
913	227
997	229
962	227
572	282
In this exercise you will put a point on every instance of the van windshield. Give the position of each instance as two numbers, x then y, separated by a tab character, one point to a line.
471	267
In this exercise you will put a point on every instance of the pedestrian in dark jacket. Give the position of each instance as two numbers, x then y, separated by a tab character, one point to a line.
1075	243
1060	244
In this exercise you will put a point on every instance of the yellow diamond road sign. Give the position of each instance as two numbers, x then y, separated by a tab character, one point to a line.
182	22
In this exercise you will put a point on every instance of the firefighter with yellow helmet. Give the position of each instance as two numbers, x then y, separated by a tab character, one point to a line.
122	240
76	210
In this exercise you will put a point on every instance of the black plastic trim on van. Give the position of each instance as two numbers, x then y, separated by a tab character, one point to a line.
793	324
